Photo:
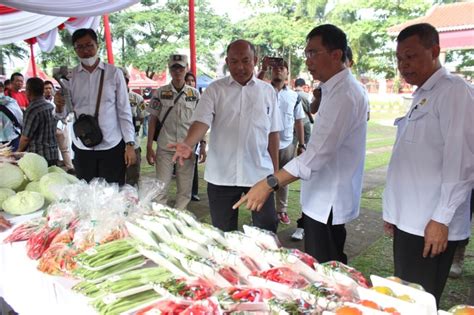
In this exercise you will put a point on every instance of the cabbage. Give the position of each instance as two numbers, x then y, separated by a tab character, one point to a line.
23	202
71	178
56	169
4	194
11	176
51	183
33	186
34	166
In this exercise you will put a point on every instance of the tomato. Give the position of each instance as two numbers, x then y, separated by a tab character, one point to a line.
348	310
370	304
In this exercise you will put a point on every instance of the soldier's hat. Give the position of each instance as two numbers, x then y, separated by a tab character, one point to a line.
178	59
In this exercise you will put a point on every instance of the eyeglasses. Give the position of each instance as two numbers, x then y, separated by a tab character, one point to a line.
84	47
310	53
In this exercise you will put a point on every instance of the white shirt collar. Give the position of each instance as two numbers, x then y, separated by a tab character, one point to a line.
250	82
431	82
331	83
100	65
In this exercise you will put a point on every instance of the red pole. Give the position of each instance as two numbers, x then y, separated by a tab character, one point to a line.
108	40
33	62
192	37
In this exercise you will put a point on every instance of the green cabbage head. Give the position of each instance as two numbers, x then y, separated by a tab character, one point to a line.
33	165
23	202
51	183
11	176
4	194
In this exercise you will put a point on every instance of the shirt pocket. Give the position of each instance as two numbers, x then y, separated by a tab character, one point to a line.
188	110
261	120
414	126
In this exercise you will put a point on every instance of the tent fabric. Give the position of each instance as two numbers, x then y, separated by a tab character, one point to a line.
203	81
139	80
76	8
18	26
47	41
39	74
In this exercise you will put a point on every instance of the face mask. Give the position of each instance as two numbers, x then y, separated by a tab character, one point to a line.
88	61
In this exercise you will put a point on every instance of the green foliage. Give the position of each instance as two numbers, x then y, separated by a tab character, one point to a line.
11	51
147	37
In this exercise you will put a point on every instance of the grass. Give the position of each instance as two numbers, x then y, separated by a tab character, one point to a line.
378	259
372	199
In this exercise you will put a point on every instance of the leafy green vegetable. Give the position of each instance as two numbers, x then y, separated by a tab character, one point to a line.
5	193
33	165
23	202
11	176
50	183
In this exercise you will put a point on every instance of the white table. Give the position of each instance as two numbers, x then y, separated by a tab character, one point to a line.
29	291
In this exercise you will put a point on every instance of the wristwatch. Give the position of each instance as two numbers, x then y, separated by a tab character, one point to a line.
131	143
272	181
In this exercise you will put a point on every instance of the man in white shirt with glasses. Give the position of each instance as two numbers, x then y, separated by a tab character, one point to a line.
332	166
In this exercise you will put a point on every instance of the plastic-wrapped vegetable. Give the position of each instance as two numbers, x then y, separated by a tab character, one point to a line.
107	254
197	289
116	269
40	241
24	231
165	307
125	304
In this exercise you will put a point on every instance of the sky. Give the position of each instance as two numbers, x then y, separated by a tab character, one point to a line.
233	8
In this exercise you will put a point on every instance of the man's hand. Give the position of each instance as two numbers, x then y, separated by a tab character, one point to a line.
388	228
314	106
150	156
59	101
436	239
4	223
202	153
183	152
300	150
130	156
256	197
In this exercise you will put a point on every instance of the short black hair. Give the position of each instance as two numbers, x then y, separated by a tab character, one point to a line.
35	86
189	74
427	34
1	85
82	32
332	37
252	47
7	82
349	56
15	74
48	82
300	82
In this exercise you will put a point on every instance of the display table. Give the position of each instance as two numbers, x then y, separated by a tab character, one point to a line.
29	291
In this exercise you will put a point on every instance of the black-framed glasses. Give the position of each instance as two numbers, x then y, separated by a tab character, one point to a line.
310	53
84	47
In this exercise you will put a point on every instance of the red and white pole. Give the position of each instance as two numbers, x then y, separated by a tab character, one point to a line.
33	62
192	37
108	40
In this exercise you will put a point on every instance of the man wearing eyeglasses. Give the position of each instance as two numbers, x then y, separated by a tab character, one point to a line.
332	166
116	151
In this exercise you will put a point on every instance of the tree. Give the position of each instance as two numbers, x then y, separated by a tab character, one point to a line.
7	52
149	36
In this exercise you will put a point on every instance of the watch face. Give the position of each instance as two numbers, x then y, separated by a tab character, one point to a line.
272	181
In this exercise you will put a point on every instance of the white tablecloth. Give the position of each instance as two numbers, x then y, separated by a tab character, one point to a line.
29	291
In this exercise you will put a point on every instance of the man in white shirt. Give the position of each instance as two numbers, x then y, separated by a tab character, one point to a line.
109	158
332	166
431	172
291	113
243	114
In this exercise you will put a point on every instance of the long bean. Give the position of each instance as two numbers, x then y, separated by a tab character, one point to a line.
87	274
125	304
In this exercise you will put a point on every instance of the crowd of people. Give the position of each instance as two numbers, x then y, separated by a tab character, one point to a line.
257	137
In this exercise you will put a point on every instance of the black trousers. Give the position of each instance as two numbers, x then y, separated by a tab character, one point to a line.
195	189
221	200
410	265
325	242
108	164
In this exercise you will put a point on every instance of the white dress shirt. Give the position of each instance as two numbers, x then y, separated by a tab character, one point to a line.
115	114
241	119
332	167
431	172
289	113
